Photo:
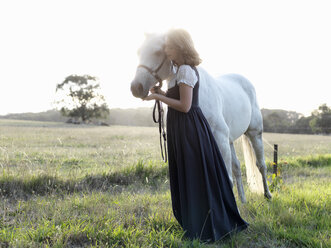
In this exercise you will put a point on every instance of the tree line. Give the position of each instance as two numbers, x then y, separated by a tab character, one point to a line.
275	121
282	121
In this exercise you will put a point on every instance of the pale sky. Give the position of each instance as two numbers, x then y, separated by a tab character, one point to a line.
283	47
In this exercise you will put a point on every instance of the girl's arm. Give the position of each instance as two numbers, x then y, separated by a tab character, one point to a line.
182	105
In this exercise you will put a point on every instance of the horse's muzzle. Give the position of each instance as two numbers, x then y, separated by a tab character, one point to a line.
137	90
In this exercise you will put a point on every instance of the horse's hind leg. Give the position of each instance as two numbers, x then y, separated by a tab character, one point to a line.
237	174
255	136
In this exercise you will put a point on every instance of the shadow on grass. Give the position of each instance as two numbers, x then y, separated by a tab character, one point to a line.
140	174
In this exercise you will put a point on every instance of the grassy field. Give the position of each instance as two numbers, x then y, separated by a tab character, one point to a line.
86	186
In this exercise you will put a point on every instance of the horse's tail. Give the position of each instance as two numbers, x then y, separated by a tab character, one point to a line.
254	177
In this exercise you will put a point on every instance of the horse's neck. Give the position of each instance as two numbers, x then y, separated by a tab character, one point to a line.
210	95
170	78
205	76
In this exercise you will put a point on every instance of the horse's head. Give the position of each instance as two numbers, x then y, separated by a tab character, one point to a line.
153	66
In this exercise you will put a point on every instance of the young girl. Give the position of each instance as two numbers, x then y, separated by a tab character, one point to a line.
202	198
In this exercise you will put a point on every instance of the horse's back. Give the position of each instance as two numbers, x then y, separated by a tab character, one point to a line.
238	82
234	100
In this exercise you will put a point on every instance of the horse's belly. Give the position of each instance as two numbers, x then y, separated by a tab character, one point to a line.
237	111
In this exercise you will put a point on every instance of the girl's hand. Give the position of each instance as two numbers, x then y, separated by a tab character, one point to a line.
157	90
154	90
151	97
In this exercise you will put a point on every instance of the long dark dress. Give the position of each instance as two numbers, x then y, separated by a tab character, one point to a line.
202	197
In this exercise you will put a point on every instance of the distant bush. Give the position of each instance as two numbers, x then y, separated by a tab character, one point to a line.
49	116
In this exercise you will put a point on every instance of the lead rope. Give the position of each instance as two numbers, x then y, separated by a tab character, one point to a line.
160	120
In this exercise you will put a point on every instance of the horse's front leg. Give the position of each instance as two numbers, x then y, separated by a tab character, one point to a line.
221	135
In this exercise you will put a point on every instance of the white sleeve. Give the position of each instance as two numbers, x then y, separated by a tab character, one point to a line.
187	75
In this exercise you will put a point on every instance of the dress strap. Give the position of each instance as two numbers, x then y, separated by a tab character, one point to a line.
196	72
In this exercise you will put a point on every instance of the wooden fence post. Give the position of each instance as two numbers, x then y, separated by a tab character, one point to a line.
275	158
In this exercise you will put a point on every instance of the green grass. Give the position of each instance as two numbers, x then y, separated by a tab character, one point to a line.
85	186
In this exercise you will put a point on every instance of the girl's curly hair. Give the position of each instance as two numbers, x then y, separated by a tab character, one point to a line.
181	40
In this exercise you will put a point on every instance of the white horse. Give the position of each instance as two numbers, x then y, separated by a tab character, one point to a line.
228	103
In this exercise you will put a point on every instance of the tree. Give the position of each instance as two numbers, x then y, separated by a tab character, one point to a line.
321	122
303	125
280	121
80	98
